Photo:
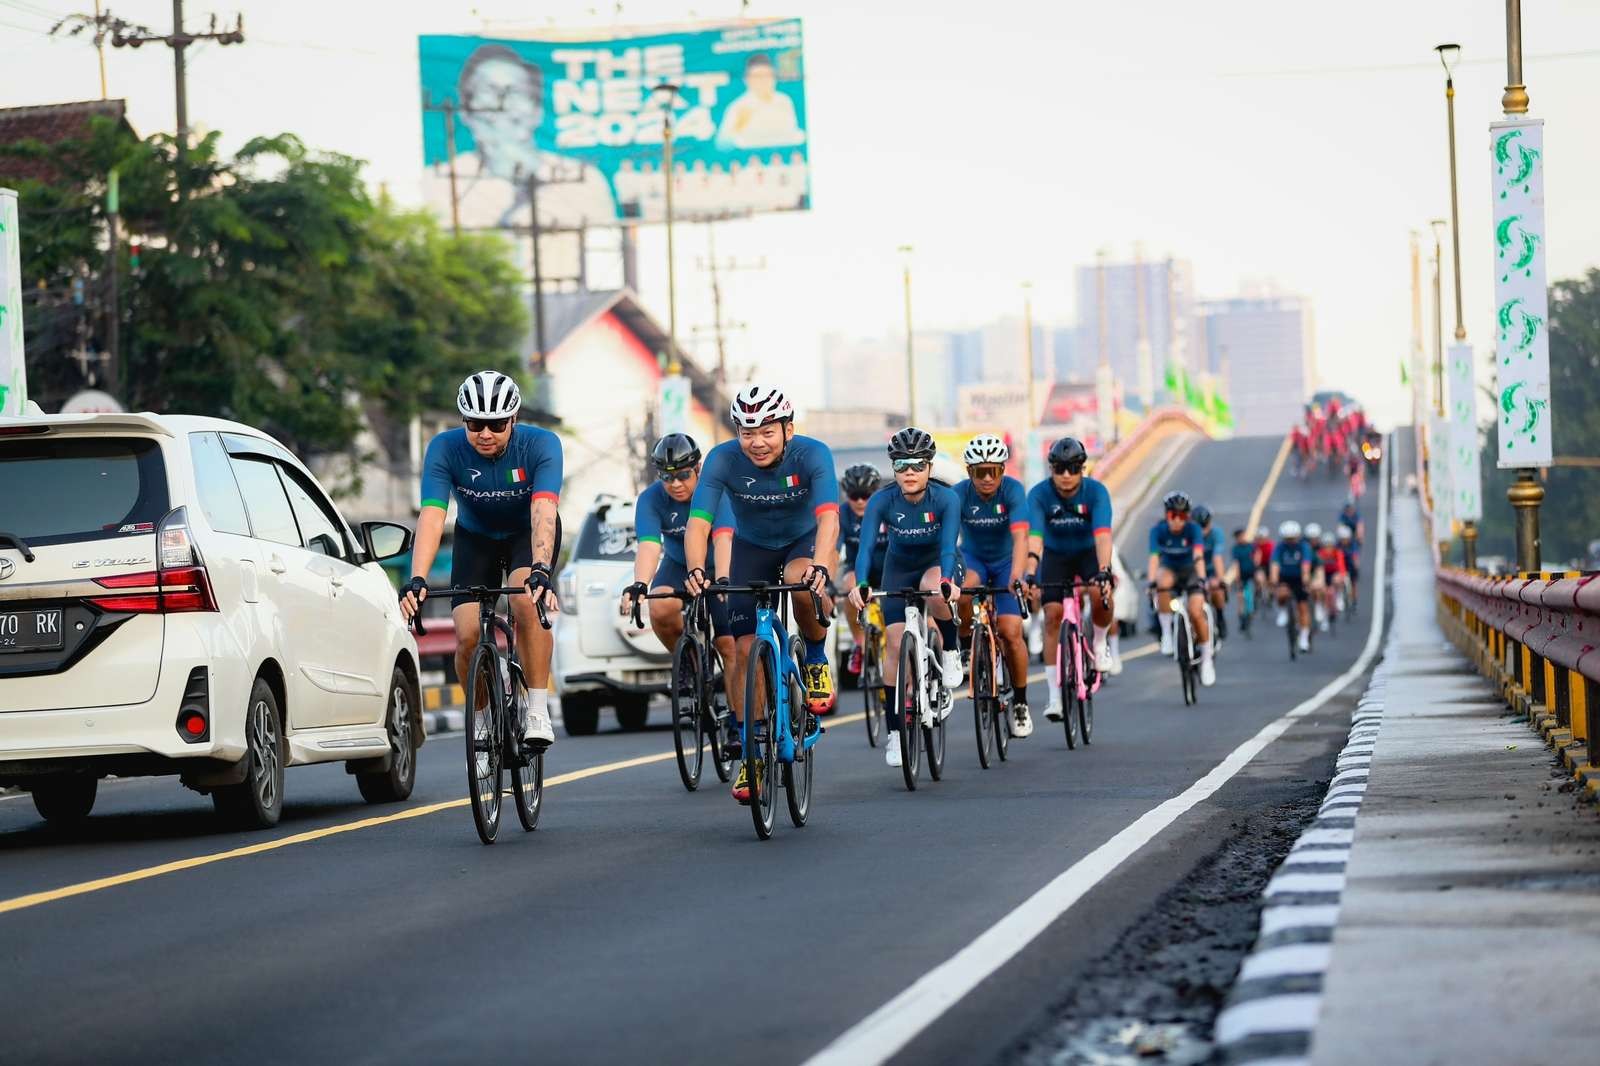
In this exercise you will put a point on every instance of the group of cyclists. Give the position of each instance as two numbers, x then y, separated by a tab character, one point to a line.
764	507
1331	438
1310	572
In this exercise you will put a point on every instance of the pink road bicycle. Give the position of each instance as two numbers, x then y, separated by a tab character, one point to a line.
1075	669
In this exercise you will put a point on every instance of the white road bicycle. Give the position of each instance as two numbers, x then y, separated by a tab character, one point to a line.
1184	648
921	697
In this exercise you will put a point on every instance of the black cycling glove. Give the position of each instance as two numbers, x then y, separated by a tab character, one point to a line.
416	586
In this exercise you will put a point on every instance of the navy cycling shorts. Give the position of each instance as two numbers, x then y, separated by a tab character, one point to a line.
751	563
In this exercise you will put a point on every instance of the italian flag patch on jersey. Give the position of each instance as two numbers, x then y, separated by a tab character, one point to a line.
927	516
1000	509
517	476
792	481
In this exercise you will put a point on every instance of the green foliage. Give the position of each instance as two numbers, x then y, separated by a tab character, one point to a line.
272	288
1570	516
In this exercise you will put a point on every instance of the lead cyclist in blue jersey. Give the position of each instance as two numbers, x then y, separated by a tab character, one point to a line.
785	501
506	480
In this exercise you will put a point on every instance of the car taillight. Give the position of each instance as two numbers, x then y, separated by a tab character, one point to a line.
567	590
179	586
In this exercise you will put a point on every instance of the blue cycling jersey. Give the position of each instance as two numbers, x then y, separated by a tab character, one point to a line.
1212	539
660	519
1068	524
1291	555
493	496
850	539
920	534
1244	556
773	506
1177	550
1351	517
987	525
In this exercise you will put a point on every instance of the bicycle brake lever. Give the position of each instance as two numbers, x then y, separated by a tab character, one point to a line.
416	624
544	619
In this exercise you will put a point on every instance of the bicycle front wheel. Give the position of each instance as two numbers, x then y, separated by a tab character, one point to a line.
1067	657
761	754
798	774
688	712
908	714
872	684
984	702
1185	658
485	734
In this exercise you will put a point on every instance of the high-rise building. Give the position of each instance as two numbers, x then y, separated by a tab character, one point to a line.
1126	307
1264	354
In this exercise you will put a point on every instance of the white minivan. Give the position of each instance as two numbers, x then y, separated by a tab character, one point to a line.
178	595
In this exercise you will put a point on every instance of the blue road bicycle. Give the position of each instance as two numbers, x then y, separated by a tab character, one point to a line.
779	748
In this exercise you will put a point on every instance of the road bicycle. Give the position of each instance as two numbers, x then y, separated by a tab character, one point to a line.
699	702
1247	604
1185	650
1076	673
872	651
497	704
780	748
991	681
921	698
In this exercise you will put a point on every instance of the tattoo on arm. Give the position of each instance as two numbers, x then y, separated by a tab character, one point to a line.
544	533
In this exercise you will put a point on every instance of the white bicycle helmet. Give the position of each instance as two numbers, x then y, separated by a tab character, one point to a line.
1327	540
1313	531
985	448
1262	533
1290	530
1345	532
756	405
489	394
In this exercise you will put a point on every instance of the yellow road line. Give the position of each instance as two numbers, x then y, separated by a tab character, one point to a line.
1254	521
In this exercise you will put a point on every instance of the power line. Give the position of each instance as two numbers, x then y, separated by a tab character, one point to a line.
127	35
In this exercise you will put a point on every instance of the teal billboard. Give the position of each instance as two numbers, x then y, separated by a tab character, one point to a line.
578	124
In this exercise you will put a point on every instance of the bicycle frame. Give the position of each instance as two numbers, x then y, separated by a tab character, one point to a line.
771	635
1072	615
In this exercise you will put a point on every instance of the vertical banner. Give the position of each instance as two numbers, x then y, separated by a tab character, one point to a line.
1522	342
1466	480
674	404
13	371
1439	471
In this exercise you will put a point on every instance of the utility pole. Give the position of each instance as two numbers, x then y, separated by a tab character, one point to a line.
449	110
720	327
534	184
113	288
127	35
103	23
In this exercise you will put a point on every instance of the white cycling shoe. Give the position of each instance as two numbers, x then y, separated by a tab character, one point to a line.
1104	661
1166	643
536	729
1021	720
1283	617
891	749
1305	640
1208	673
950	666
1052	710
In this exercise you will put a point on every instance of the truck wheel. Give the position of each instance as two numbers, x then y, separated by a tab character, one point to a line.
580	713
66	800
633	711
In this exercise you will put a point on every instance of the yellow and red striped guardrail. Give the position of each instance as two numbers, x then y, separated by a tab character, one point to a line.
1537	637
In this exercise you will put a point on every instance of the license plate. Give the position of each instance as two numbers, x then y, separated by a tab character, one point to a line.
30	630
652	677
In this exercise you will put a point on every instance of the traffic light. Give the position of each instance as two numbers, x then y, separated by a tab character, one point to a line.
133	255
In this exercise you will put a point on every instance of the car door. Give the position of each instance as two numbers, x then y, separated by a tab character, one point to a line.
298	585
359	641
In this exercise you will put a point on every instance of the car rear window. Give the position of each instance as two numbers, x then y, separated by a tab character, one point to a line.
604	539
69	489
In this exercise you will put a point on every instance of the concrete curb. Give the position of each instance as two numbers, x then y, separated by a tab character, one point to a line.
1271	1013
448	721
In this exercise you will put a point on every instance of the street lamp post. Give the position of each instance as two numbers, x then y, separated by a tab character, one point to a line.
1448	55
1526	493
911	359
1438	451
673	92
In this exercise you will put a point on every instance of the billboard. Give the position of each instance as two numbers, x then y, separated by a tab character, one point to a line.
577	123
13	370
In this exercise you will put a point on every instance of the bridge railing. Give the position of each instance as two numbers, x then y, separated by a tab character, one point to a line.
1537	637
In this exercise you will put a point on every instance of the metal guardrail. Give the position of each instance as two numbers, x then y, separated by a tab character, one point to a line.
1538	638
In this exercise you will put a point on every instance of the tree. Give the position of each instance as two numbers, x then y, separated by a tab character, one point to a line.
271	288
1570	516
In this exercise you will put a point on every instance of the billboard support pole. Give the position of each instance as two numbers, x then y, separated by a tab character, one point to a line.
673	92
538	275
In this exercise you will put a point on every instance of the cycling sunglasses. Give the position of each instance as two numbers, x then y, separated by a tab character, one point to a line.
1067	468
678	475
1177	514
493	425
986	471
901	466
863	498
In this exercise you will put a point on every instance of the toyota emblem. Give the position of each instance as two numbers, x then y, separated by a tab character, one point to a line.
7	568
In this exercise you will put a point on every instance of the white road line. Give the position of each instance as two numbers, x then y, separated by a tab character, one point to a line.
892	1026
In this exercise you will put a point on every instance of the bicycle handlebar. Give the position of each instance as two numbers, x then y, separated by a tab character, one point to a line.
759	588
980	591
483	594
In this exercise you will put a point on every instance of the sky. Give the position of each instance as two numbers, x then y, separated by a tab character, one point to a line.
1005	141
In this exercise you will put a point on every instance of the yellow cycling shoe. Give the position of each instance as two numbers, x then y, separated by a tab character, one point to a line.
819	688
741	784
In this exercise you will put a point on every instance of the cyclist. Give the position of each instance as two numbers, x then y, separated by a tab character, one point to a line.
1352	559
1069	538
994	552
1300	441
1334	576
923	521
1178	561
1319	583
1216	587
784	497
858	484
1243	569
1350	515
1290	575
660	518
506	480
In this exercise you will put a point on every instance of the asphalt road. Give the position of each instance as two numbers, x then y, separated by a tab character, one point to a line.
640	923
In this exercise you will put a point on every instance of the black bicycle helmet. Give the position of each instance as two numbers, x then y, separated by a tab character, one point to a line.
675	451
862	479
1202	514
1176	501
911	443
1068	451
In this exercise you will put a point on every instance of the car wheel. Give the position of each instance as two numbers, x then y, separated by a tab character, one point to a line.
66	800
633	712
395	783
580	714
257	801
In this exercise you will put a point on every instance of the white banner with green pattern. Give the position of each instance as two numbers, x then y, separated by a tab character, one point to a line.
1522	342
1440	467
1466	481
13	373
